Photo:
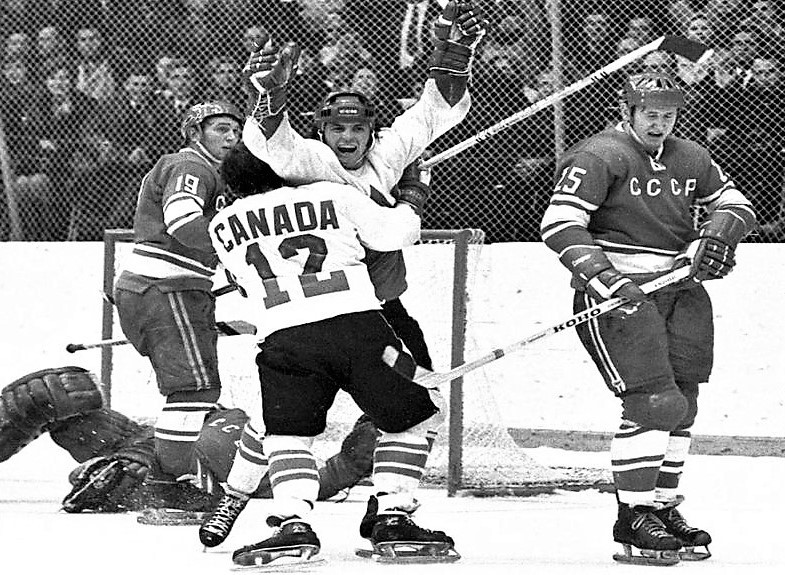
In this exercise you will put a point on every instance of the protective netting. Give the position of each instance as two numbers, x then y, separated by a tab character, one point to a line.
474	452
92	92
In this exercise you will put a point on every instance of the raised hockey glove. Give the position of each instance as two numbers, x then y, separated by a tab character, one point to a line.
713	254
458	31
269	72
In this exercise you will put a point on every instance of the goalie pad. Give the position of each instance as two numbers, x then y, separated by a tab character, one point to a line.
29	405
99	433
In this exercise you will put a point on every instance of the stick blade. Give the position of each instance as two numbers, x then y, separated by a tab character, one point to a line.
690	49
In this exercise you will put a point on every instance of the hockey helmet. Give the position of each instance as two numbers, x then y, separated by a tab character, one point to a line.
345	108
198	113
652	89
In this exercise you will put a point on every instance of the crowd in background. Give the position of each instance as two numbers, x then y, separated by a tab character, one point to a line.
93	92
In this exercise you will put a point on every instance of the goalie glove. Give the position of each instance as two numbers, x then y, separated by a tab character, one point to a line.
269	72
106	484
458	31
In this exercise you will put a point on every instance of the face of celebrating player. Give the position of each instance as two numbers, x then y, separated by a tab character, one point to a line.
349	142
653	124
219	135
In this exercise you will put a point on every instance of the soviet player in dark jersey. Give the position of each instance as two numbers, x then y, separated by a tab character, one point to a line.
621	214
163	294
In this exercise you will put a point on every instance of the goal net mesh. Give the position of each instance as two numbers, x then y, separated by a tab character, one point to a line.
474	453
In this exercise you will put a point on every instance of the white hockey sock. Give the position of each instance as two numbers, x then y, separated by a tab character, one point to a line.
399	464
250	464
636	456
293	474
673	466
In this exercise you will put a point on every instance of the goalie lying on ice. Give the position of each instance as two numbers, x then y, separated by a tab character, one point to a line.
118	470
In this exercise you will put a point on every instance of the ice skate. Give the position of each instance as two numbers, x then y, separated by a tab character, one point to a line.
691	537
216	527
397	539
639	529
294	542
167	502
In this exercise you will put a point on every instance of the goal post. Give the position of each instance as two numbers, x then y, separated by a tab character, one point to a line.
461	239
474	455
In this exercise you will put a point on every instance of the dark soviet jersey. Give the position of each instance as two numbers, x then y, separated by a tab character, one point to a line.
637	207
176	201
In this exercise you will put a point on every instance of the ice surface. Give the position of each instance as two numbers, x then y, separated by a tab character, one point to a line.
739	500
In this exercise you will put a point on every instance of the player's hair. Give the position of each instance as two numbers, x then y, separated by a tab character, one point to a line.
245	174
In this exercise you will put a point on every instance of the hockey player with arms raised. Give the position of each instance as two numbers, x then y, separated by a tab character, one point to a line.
297	254
350	150
621	214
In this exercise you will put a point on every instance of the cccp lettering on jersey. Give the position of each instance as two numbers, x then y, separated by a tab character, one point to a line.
653	187
578	319
279	220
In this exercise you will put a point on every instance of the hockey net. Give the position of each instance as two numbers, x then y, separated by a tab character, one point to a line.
474	454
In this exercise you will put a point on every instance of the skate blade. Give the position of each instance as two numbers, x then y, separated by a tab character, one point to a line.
694	554
410	552
170	517
278	557
647	557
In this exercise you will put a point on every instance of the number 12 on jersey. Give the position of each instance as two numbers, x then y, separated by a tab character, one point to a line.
311	285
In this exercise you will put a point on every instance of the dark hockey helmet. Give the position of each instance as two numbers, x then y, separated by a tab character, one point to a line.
652	89
348	107
198	113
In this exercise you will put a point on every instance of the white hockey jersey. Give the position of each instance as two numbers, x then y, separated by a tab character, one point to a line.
297	252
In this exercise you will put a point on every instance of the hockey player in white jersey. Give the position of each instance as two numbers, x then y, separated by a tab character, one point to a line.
297	253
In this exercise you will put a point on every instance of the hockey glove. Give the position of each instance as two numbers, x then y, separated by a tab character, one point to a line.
458	31
411	190
713	254
105	484
609	283
708	258
269	72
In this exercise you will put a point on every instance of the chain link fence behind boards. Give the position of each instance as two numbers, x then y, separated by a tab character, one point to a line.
92	93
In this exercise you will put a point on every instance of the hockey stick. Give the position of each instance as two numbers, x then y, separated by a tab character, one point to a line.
234	327
391	356
694	51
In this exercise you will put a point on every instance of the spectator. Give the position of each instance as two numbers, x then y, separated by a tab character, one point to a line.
697	28
366	80
751	141
512	41
178	97
309	86
341	50
225	82
765	16
641	30
735	63
63	124
724	16
50	51
94	72
592	48
17	111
